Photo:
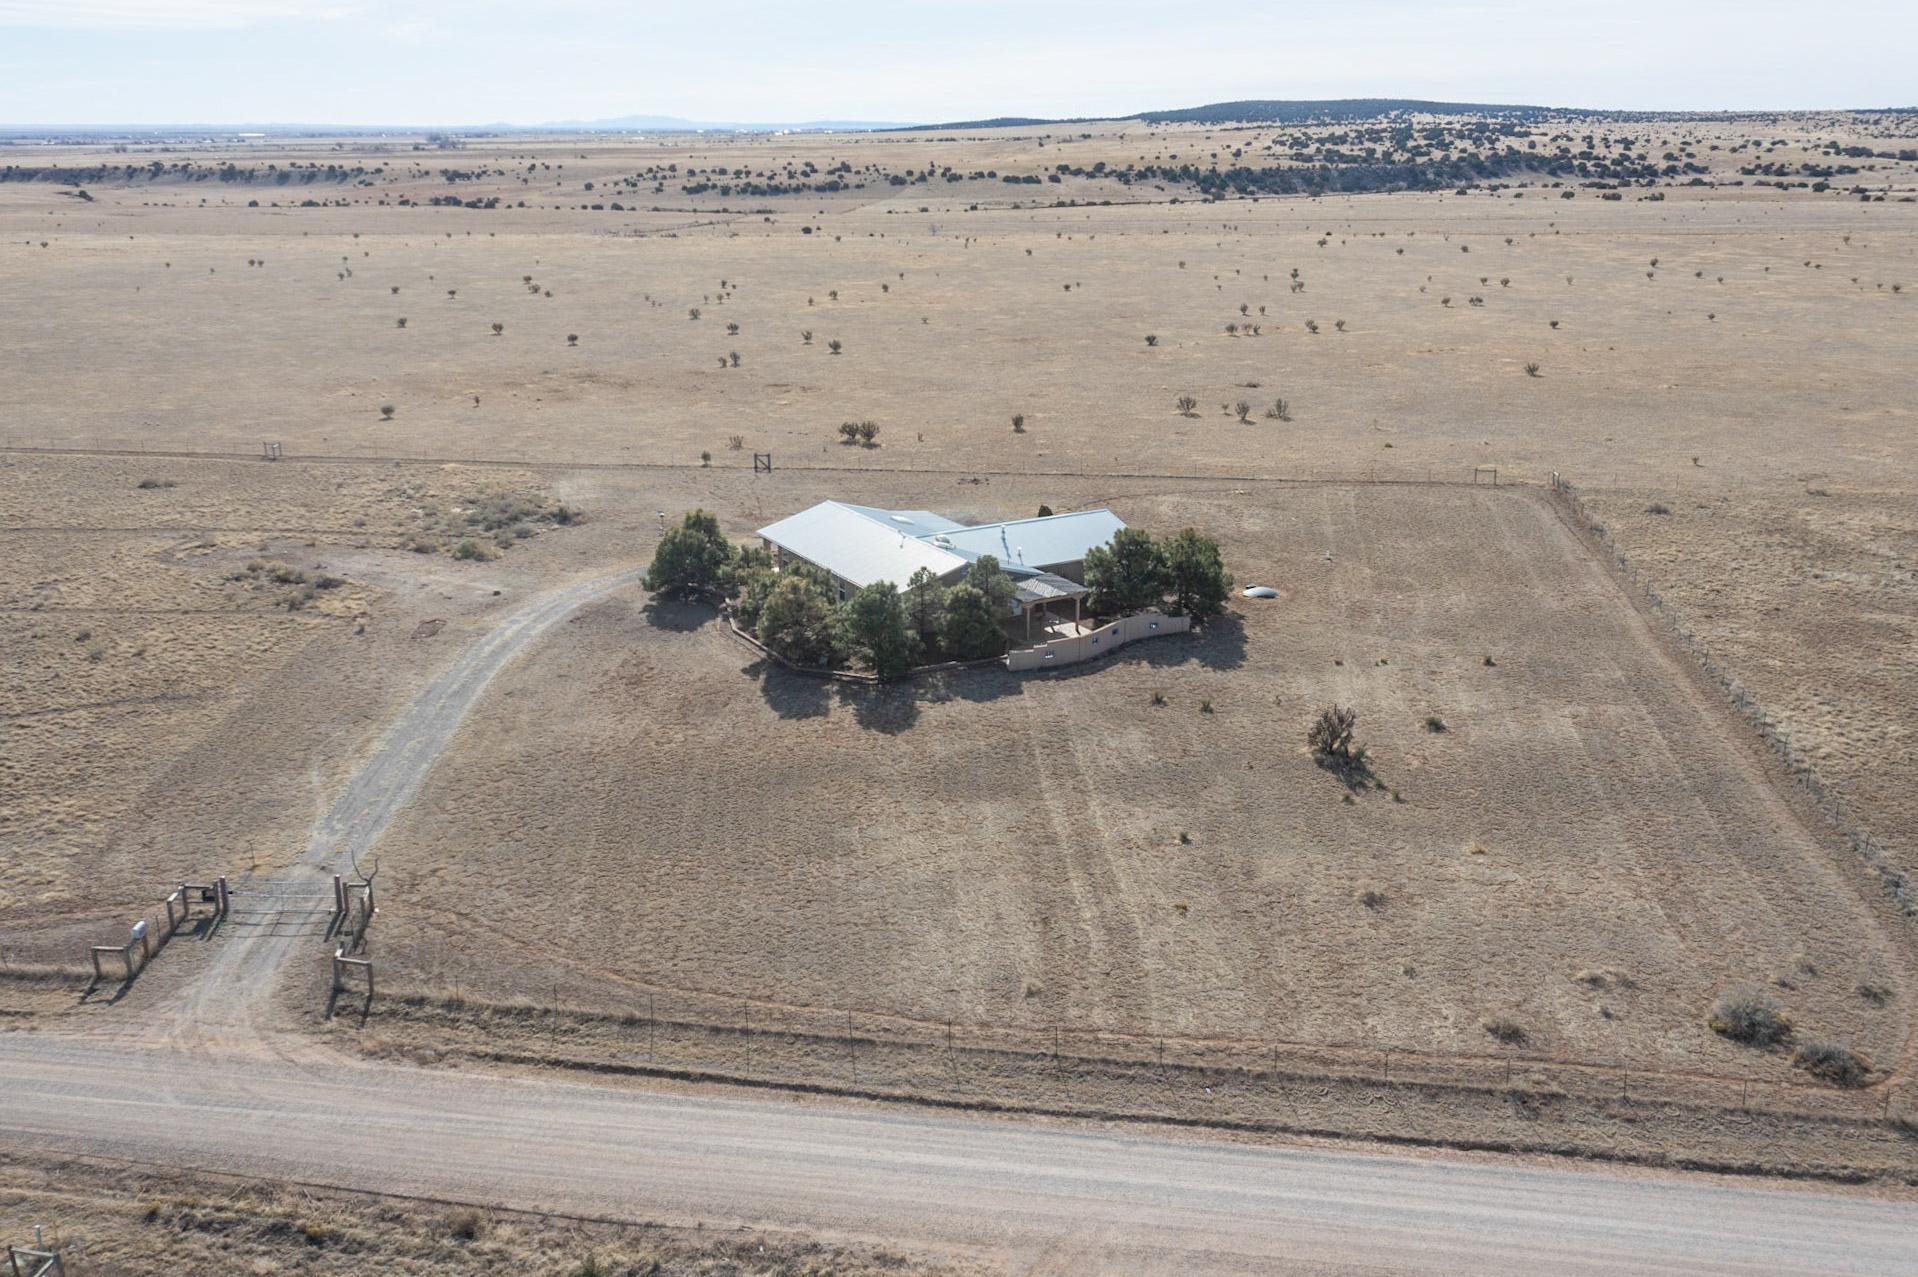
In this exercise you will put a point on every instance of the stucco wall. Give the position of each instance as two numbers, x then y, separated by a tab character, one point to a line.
1107	638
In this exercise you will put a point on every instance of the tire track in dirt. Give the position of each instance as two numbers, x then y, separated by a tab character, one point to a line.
1090	875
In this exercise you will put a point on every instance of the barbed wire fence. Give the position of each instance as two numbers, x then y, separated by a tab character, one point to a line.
1829	805
840	1048
238	448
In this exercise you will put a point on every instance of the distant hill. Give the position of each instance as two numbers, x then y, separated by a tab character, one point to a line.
1008	122
1276	111
674	124
1268	111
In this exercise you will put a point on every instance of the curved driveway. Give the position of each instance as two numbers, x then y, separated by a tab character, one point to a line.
223	1001
1042	1199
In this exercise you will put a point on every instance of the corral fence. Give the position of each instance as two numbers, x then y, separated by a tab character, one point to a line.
1869	849
146	938
37	1260
705	1035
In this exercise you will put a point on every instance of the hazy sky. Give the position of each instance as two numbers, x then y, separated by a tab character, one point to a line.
472	61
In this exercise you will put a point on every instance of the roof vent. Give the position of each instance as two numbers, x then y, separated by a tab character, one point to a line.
901	518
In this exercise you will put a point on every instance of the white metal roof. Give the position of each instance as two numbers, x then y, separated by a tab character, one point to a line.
863	544
917	523
1036	543
859	544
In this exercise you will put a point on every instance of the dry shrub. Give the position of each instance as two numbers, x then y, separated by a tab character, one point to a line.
1750	1016
1832	1062
1505	1029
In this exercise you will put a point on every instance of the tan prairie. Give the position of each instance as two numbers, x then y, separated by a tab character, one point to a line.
1590	851
1576	838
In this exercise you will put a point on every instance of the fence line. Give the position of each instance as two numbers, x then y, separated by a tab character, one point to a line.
256	449
1828	804
675	1031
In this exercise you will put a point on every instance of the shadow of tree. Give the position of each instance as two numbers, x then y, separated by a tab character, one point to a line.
678	615
1357	774
980	684
790	695
1220	643
890	708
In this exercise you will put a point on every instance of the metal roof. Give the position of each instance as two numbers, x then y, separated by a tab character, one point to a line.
863	544
1043	587
859	544
917	523
1031	544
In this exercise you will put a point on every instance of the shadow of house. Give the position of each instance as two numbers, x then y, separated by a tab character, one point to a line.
1219	644
979	684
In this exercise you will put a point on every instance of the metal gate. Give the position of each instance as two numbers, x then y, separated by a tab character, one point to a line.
283	906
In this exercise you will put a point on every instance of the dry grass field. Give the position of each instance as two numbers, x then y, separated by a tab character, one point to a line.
108	1220
1581	846
1654	373
1589	852
162	639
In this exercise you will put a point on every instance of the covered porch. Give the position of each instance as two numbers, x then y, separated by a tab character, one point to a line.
1050	607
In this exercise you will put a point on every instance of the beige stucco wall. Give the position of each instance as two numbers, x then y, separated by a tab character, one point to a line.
1107	638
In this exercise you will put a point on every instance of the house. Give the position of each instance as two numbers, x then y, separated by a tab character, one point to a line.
857	545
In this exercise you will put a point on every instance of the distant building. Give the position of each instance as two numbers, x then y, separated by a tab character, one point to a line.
857	545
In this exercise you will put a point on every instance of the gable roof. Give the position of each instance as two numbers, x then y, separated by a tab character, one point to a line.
1026	545
859	544
918	523
863	544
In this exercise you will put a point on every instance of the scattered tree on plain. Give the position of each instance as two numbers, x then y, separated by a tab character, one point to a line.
1330	737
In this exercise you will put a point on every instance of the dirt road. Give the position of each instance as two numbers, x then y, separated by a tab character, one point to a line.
1040	1199
221	1004
1043	1200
